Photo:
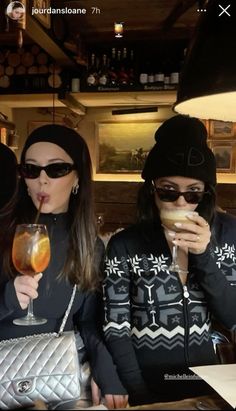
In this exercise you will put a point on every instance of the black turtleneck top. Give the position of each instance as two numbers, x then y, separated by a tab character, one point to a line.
54	295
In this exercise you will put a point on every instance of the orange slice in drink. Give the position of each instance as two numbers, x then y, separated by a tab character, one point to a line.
40	255
19	251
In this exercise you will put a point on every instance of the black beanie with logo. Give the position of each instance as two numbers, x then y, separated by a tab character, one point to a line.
181	150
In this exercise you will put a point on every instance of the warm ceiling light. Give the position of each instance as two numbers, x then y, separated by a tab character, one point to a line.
207	87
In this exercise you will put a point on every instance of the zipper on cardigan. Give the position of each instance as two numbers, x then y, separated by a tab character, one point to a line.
185	290
186	325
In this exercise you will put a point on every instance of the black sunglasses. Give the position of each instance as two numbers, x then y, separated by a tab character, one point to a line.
192	197
54	170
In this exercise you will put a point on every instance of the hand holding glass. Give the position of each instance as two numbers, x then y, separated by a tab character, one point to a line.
169	217
30	256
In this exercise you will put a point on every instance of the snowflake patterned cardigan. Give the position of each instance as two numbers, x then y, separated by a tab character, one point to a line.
154	325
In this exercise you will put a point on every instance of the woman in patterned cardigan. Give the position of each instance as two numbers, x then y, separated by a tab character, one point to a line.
158	320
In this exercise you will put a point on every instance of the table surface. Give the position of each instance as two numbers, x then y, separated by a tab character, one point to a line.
204	403
212	402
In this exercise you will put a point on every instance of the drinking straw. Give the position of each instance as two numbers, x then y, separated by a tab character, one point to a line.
39	210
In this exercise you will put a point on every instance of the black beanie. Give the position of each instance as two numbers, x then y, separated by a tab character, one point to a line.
181	150
8	173
65	137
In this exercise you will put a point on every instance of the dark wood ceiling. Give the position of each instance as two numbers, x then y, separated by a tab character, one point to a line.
143	19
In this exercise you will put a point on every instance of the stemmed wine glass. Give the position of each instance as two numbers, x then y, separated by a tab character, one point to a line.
30	256
169	217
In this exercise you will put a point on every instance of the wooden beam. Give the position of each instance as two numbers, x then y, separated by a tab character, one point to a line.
40	37
72	103
181	7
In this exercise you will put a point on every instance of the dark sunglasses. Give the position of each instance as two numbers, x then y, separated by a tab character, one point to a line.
192	197
54	170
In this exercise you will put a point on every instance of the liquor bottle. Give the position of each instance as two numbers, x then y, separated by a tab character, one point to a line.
112	69
174	75
123	75
151	77
103	74
131	69
159	76
143	76
92	75
118	61
167	71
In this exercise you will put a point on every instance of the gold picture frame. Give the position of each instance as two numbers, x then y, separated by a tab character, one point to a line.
224	155
122	147
44	18
221	129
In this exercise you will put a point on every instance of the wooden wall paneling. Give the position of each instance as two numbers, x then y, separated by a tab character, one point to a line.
117	201
226	197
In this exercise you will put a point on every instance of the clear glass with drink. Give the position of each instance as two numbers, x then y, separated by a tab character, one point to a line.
169	217
30	256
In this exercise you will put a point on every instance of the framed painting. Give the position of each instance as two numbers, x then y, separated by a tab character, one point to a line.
123	147
40	11
223	152
221	129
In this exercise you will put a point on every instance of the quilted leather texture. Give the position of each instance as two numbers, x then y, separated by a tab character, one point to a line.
44	367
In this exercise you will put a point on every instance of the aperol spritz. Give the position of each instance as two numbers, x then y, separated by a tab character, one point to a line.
30	256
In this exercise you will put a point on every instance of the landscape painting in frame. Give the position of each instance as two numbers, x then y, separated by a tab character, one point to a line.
224	156
123	147
221	129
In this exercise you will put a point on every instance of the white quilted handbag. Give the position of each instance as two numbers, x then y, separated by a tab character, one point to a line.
40	367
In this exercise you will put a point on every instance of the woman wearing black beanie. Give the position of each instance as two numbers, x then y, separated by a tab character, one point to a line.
158	317
55	167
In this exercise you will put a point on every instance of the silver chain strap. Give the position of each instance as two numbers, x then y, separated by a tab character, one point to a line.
67	311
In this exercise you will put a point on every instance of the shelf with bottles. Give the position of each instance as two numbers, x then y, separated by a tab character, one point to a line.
127	68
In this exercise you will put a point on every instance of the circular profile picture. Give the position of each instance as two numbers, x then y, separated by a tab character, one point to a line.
15	10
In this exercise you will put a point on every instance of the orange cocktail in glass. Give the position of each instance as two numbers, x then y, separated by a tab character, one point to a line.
30	256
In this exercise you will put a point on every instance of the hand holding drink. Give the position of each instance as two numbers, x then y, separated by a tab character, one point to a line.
169	218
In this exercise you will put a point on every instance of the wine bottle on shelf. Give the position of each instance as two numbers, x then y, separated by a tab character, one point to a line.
167	74
174	75
143	76
123	75
118	65
159	76
151	77
112	69
131	69
92	74
103	74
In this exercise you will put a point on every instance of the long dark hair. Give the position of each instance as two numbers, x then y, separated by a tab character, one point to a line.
147	211
81	266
